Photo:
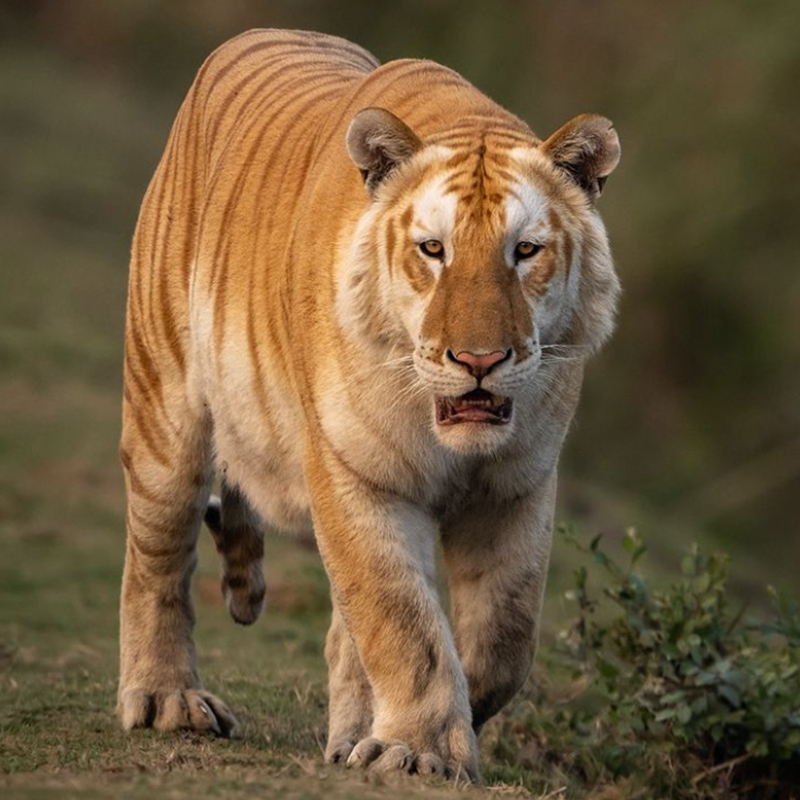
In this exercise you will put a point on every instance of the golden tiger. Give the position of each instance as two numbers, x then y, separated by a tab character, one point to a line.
361	296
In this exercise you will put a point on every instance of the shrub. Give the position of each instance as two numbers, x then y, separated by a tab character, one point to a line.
672	693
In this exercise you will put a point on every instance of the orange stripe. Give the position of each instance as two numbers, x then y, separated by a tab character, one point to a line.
307	68
418	276
136	484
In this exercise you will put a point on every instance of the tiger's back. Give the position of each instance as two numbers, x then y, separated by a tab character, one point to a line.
234	127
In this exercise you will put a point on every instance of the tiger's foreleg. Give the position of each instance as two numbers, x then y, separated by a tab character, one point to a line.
496	556
349	692
378	552
165	451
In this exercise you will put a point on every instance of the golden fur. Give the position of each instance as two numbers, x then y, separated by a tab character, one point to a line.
328	255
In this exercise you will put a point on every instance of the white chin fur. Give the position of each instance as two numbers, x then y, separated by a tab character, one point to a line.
475	438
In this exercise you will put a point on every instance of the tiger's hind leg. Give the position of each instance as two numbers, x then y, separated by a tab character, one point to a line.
166	455
239	537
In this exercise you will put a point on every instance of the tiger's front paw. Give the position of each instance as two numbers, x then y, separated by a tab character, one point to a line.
451	752
177	709
338	750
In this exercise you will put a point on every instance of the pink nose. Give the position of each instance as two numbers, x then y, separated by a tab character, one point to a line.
479	364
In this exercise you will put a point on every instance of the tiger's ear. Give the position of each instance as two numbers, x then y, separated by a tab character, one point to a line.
587	149
378	141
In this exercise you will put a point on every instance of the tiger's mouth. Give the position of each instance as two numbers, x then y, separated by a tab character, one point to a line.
475	406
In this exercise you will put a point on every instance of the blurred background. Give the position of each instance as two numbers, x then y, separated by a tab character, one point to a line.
689	427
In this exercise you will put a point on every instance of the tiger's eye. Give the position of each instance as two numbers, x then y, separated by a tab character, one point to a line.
432	248
526	250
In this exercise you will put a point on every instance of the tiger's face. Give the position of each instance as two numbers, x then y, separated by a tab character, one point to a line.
480	252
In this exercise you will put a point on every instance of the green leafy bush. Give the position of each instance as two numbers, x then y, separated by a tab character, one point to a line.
672	690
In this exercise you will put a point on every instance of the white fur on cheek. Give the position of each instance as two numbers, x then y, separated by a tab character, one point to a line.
355	306
412	310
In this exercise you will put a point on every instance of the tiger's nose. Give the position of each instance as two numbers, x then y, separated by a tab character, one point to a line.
479	364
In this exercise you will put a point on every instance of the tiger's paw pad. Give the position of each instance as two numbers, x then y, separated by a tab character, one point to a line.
178	709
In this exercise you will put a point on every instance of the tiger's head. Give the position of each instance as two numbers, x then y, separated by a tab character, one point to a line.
479	256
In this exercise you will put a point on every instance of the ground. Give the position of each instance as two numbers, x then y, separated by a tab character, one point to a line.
58	672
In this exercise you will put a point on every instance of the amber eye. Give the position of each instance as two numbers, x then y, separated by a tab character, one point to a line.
526	250
432	248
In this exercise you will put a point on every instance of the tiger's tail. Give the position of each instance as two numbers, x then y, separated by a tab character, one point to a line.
239	537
